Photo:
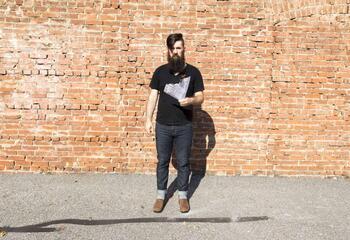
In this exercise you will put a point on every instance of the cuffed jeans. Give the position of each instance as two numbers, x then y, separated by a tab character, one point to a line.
168	137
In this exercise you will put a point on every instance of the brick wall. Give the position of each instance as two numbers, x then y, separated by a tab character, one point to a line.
74	83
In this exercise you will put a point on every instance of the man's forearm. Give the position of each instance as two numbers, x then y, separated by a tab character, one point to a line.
150	110
197	100
151	105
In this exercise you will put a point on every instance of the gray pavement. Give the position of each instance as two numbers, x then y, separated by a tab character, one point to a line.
113	206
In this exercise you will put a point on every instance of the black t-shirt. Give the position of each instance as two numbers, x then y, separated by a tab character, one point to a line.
169	110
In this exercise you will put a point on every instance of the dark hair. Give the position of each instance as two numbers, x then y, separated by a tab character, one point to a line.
172	38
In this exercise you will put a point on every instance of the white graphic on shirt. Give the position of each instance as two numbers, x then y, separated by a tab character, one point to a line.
178	90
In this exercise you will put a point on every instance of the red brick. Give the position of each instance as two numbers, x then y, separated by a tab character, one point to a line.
275	96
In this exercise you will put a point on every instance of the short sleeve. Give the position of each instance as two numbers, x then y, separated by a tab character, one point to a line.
198	83
154	84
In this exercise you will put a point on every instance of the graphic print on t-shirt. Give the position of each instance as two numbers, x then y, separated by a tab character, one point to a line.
178	90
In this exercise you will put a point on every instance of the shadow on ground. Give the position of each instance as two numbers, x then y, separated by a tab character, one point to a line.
43	227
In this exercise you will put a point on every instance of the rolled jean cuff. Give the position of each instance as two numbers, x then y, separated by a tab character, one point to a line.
182	194
161	194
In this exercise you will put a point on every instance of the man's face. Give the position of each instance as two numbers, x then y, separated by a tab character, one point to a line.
176	57
177	50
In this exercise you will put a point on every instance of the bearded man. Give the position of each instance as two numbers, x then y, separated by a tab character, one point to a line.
179	86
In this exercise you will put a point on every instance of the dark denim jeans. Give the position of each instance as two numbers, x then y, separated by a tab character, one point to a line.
168	137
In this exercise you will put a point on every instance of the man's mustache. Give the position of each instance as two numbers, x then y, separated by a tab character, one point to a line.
176	61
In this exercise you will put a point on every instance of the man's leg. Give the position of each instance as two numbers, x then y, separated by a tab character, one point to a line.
183	144
164	145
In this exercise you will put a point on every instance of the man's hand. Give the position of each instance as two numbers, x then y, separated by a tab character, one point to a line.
196	100
149	127
186	102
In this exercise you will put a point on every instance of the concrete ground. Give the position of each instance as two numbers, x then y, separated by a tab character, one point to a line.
112	206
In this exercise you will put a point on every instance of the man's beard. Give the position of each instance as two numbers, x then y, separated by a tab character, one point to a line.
176	62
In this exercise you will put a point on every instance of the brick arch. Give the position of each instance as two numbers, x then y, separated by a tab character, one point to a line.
285	10
309	89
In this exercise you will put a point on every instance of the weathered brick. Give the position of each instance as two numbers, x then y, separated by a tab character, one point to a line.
276	77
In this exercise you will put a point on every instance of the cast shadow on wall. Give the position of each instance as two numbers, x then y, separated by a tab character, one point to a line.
203	143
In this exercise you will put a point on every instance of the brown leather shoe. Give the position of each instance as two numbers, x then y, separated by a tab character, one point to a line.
184	205
158	205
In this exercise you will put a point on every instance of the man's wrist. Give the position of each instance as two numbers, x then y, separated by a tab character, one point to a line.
192	100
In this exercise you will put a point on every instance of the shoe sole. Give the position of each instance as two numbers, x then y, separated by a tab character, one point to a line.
158	211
